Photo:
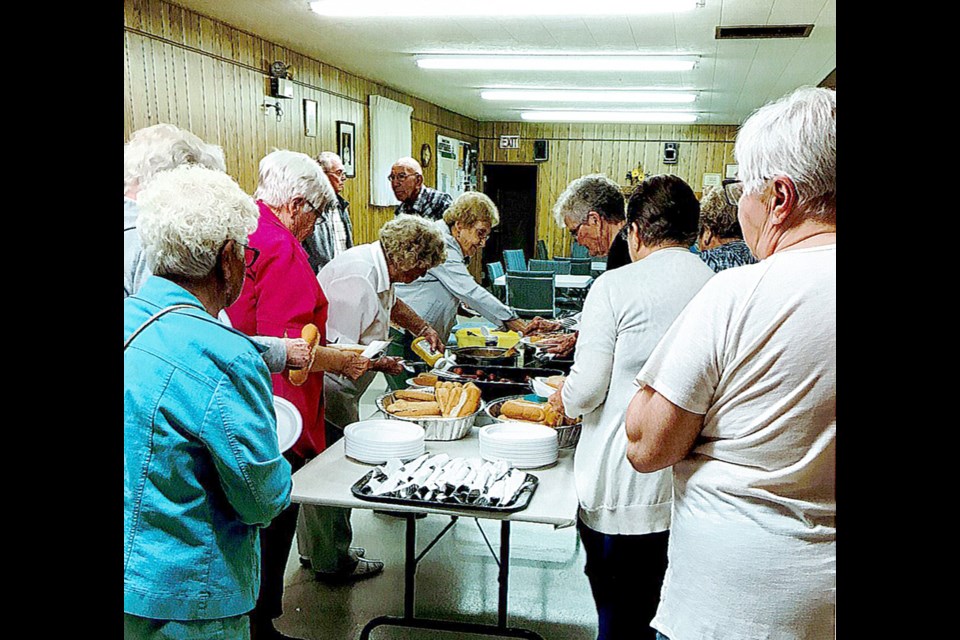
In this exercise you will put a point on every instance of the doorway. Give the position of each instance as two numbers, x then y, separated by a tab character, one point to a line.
513	188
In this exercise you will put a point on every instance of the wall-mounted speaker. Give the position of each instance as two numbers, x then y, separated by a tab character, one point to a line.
539	150
670	151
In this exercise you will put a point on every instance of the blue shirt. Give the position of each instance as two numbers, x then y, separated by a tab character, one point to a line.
731	254
202	468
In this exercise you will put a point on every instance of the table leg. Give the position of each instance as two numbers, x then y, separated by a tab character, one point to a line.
503	577
410	567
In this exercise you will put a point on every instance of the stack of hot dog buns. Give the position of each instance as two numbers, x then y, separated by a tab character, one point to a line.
527	411
446	399
311	334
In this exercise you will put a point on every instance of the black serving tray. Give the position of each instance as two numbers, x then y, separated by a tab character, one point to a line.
523	499
493	390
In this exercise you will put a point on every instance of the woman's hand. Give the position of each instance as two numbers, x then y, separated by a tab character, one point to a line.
298	353
433	339
517	325
354	365
556	400
388	364
541	325
562	345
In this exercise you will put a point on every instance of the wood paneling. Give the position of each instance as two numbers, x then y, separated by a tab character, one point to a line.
206	76
611	149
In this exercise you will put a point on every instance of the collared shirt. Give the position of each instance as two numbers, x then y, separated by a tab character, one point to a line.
436	295
358	289
202	471
332	235
731	254
430	203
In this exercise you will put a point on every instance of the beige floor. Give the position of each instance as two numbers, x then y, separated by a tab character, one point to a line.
457	579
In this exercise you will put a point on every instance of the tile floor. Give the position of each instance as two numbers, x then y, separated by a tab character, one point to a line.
456	580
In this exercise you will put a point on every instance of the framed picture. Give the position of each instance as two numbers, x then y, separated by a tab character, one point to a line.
310	118
346	147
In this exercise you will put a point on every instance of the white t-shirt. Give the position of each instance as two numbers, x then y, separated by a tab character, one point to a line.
624	316
752	551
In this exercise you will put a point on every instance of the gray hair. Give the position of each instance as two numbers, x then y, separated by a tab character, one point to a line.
326	158
796	136
472	207
187	214
411	242
411	164
162	147
287	175
718	216
594	192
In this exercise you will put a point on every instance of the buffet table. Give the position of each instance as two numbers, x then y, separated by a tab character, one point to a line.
326	480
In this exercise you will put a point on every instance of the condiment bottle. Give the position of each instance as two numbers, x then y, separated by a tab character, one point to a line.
422	348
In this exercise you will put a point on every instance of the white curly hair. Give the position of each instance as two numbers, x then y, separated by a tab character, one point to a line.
186	216
162	147
286	175
411	242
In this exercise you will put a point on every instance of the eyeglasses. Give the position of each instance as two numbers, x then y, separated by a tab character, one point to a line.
340	173
576	230
732	191
250	254
399	177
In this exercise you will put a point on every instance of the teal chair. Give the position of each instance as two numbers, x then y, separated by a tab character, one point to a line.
514	259
578	266
541	253
556	266
579	251
531	295
494	271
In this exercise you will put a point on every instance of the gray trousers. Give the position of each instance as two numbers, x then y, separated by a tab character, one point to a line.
324	534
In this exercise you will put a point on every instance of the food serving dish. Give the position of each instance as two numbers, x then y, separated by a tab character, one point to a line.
436	427
507	380
485	356
289	423
567	435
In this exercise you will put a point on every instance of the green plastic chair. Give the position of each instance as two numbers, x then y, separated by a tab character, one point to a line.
578	266
531	295
556	266
494	271
514	259
541	253
577	250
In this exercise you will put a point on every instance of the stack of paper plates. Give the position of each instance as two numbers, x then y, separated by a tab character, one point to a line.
523	445
376	441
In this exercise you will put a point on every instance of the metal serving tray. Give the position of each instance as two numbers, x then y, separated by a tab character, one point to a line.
523	498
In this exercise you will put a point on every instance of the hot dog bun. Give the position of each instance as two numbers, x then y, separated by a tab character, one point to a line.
415	394
311	335
522	410
408	408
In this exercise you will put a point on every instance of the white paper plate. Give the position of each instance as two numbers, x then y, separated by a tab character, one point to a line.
383	432
289	423
376	457
518	433
541	388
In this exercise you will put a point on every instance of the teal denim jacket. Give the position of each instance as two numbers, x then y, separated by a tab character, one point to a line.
202	470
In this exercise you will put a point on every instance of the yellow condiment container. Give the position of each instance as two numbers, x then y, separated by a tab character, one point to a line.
421	347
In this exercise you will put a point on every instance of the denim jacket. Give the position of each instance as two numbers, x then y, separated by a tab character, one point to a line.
202	467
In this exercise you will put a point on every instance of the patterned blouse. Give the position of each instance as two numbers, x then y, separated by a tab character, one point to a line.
731	254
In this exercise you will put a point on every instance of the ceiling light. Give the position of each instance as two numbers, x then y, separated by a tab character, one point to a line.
581	95
445	8
556	63
650	117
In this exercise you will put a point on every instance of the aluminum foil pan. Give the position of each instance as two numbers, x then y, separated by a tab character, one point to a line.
567	435
436	428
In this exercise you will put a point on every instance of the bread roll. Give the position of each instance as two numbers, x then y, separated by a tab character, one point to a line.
415	394
426	379
554	381
472	402
408	408
311	335
522	410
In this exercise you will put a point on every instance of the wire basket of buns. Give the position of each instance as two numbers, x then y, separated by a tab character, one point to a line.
446	412
519	409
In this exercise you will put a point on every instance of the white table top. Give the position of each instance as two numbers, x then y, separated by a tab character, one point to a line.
598	266
560	281
326	480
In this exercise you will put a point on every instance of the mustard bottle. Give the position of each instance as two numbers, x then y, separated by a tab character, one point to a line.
421	347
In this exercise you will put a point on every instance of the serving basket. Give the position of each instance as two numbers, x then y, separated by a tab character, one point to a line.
567	435
436	427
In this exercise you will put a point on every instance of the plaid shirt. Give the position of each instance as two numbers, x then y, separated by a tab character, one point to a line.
731	254
332	236
430	204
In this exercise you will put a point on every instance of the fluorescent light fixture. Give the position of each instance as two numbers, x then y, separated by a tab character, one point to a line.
446	8
582	95
556	63
651	117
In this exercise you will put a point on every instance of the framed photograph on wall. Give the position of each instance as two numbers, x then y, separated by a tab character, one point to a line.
310	118
346	147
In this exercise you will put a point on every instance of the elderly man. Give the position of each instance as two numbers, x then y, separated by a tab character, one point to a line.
359	284
740	398
592	209
334	234
149	152
280	296
201	468
406	180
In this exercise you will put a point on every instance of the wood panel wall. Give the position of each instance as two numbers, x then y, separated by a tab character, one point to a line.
612	149
203	75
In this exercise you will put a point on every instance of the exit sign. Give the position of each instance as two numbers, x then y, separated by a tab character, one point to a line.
509	142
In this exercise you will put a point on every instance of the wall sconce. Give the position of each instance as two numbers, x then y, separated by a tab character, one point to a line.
266	106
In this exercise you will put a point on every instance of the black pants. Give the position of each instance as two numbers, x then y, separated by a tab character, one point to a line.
275	543
625	573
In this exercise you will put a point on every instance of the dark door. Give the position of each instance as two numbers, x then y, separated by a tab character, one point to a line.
513	188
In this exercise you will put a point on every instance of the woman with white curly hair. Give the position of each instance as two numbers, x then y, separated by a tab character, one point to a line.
198	483
359	285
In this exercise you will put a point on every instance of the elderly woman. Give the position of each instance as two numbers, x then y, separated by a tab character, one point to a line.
359	284
436	296
720	239
280	295
202	470
624	517
740	399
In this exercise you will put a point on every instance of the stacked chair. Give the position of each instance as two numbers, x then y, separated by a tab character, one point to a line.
514	259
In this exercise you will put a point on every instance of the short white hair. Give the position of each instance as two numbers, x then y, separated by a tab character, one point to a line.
411	164
187	214
796	136
327	158
162	147
287	175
